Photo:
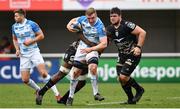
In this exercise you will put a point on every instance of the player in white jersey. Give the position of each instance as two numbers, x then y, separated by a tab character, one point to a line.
26	34
93	29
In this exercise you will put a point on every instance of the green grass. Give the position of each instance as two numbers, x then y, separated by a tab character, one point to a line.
157	95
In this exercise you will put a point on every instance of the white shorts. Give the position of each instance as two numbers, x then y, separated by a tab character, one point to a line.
84	57
28	62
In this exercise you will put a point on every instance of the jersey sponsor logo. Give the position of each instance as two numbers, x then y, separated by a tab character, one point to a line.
119	40
23	30
131	25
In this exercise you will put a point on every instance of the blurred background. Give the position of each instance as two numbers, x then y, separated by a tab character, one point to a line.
160	19
160	63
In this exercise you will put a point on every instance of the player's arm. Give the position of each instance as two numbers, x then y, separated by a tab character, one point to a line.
38	35
15	42
100	47
85	40
140	34
71	24
109	34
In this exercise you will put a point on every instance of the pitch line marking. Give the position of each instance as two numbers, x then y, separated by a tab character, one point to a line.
105	103
173	98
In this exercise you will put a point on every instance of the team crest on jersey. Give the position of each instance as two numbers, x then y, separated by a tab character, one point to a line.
117	33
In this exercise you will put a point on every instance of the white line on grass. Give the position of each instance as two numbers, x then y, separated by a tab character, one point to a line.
106	103
173	98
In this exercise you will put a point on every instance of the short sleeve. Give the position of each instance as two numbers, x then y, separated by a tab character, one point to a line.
102	31
129	26
12	30
80	19
109	31
35	27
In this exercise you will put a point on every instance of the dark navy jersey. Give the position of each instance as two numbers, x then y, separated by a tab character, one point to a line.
122	36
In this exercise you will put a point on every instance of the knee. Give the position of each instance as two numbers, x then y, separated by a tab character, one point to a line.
25	81
43	73
123	79
74	73
93	69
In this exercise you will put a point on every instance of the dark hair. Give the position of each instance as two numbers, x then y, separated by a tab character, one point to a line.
20	11
90	11
115	10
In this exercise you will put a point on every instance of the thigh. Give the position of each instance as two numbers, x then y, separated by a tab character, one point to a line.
129	65
37	58
66	65
42	70
75	72
38	61
93	54
25	64
25	75
80	57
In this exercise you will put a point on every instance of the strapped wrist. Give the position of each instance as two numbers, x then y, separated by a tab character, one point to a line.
139	47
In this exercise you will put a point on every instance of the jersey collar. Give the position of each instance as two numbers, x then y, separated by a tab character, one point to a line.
23	23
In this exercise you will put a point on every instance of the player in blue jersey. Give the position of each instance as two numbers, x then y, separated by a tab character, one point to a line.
26	34
93	29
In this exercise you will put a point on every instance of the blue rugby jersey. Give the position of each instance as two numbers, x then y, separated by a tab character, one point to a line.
92	33
24	31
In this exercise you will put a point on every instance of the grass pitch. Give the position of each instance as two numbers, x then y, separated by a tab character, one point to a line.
157	95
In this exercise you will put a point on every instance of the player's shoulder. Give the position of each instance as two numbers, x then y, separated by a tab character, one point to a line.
109	27
128	24
82	18
13	25
31	22
99	23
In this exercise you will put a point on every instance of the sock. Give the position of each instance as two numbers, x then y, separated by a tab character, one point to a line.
53	88
33	85
94	84
46	87
73	84
134	84
127	89
79	86
55	78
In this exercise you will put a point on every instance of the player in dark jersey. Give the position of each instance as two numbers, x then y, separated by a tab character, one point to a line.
64	70
129	39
